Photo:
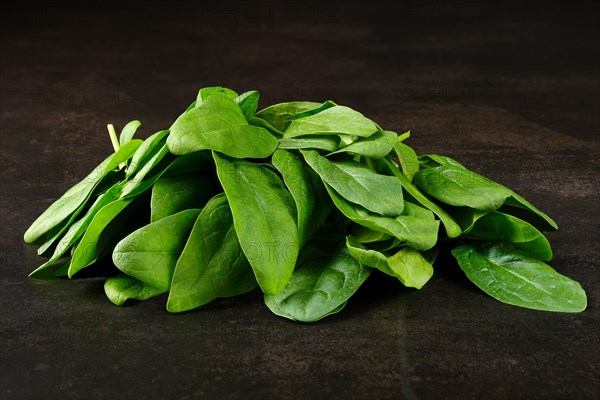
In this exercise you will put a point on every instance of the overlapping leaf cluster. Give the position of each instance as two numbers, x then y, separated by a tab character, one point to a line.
301	199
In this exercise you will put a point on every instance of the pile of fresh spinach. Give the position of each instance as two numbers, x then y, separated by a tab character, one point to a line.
301	199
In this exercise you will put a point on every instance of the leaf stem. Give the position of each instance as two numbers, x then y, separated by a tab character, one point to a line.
115	141
113	137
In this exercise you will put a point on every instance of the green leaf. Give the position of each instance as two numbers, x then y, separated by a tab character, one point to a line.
309	194
366	235
172	194
420	233
78	228
121	289
151	252
408	160
320	286
407	264
73	201
327	143
504	227
150	165
512	276
378	145
334	120
248	103
101	233
518	206
515	204
453	230
220	125
458	186
128	131
327	104
359	184
281	115
146	151
264	219
217	91
212	264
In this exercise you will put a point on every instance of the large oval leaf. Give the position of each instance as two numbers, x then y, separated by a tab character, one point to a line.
359	184
151	252
333	120
312	202
512	276
458	186
212	264
320	286
220	125
264	219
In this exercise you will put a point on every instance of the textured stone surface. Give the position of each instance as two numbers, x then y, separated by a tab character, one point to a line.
512	91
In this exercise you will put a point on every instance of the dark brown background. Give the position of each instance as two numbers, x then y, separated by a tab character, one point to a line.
511	90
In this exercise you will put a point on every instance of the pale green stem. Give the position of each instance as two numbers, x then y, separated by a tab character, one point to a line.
115	141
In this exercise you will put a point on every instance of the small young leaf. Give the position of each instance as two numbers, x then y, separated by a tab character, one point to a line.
128	131
378	145
122	288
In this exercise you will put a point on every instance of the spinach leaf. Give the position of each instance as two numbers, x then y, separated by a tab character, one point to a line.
504	227
146	151
219	91
320	286
359	184
512	276
312	205
78	228
408	160
101	233
121	289
515	204
416	232
73	201
313	111
133	184
281	115
407	264
151	252
458	186
333	120
128	131
378	145
212	264
366	235
452	228
221	126
172	194
264	219
523	209
466	217
248	103
327	143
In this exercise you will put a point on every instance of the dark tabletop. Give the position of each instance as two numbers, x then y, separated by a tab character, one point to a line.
512	91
